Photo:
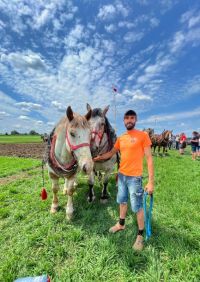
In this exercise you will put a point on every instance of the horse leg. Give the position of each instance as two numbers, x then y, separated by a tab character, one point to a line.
65	185
91	196
104	193
55	188
158	150
69	188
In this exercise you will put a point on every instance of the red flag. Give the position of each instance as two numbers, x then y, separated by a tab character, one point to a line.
114	89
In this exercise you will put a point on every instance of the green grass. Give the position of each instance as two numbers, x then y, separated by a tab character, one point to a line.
33	242
20	139
13	165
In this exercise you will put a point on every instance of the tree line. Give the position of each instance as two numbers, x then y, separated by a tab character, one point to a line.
15	132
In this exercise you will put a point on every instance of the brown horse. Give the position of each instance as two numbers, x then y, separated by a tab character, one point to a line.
69	151
161	140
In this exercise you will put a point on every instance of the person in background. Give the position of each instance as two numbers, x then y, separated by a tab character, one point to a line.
133	145
182	143
177	141
194	144
198	149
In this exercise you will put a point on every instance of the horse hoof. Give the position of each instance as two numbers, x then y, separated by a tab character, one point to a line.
69	216
104	201
53	210
91	199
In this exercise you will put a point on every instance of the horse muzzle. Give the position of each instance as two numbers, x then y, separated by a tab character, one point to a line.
87	167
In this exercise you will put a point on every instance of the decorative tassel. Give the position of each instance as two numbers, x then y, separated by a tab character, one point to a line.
43	194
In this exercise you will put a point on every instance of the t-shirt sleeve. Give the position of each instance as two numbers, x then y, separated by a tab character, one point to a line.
146	141
117	144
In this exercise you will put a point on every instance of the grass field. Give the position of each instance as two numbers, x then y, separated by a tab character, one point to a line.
33	242
13	165
20	139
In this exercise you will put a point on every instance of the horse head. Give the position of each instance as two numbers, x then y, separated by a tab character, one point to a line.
150	131
97	124
78	139
167	134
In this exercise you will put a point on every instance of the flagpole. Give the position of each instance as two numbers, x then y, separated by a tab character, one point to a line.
115	107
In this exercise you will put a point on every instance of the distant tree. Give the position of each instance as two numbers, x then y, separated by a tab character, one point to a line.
33	132
14	132
6	133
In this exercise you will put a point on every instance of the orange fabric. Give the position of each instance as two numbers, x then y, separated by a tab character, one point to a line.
131	146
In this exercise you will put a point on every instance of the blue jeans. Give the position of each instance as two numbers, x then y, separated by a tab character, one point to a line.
130	185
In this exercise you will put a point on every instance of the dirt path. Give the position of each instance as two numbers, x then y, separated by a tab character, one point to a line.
33	150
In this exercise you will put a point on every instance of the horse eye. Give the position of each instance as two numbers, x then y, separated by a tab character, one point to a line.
72	134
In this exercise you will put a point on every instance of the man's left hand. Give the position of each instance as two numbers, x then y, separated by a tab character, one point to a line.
149	188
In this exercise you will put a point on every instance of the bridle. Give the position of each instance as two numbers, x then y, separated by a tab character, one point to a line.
99	134
75	147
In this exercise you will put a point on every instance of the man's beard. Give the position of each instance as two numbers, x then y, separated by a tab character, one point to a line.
130	125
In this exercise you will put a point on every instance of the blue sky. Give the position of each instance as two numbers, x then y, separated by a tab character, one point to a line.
59	53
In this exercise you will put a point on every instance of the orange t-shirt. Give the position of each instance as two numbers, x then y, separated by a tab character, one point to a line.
131	146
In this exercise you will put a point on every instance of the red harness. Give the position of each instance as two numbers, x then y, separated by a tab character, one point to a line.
75	147
70	167
99	134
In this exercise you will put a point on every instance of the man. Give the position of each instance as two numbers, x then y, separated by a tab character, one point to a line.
132	145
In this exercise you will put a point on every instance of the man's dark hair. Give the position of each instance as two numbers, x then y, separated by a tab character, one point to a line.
130	113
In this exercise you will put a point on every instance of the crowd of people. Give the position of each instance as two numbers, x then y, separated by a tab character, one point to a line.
180	141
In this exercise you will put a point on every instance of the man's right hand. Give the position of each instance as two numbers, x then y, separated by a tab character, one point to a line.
96	159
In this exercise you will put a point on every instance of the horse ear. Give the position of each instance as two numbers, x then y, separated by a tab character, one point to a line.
69	113
89	107
88	115
105	110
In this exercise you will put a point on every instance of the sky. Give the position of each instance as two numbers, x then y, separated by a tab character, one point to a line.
56	53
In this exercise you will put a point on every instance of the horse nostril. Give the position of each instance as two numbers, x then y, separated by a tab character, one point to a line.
84	168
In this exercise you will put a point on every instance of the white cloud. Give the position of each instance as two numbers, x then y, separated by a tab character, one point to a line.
173	116
192	87
178	41
154	22
58	105
152	71
131	37
29	106
75	36
3	114
138	95
110	28
24	60
110	11
24	117
126	24
106	12
194	21
191	18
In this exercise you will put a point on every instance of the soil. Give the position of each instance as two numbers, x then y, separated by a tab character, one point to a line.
33	150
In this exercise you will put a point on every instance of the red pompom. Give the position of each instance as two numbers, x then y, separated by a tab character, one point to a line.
43	194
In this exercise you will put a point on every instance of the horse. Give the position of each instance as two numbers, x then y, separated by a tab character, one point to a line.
150	131
69	152
103	138
161	140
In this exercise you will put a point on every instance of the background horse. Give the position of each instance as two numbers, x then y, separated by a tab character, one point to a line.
161	140
69	151
150	131
103	138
